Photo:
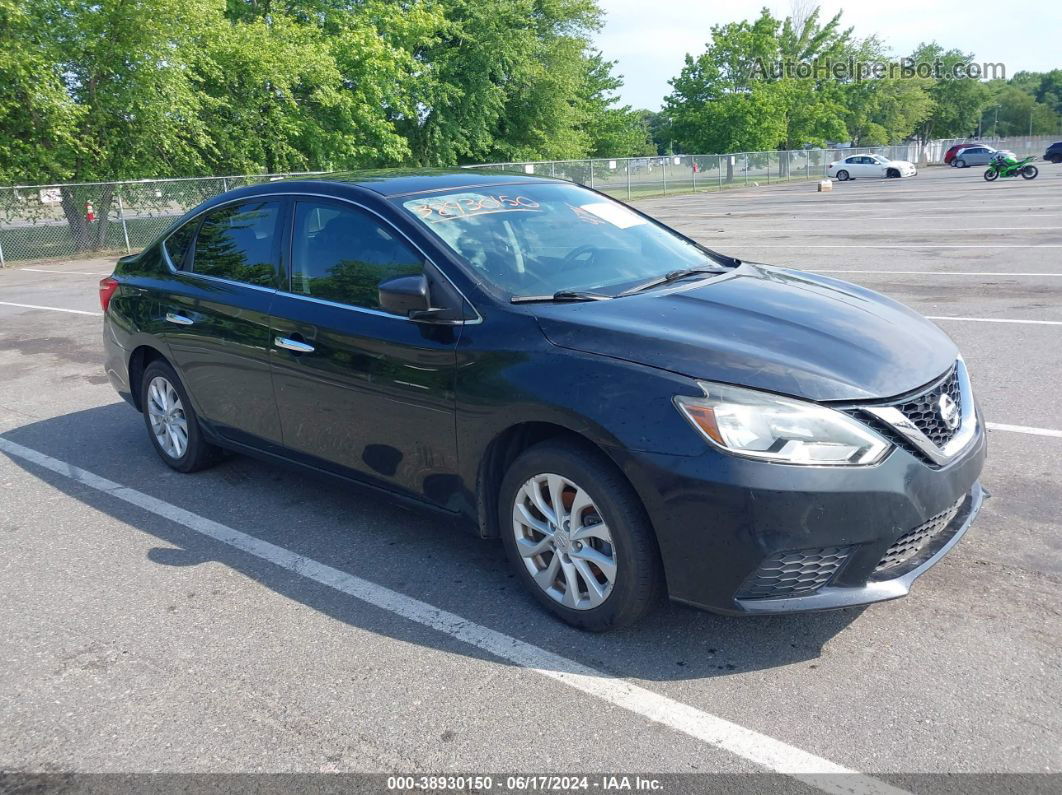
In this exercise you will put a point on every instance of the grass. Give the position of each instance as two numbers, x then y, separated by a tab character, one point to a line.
54	240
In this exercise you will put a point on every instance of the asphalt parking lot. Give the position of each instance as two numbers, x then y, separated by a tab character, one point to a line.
252	619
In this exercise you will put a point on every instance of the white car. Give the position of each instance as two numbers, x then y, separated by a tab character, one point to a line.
869	166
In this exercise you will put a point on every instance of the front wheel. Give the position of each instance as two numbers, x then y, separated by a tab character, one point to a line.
892	173
990	175
1030	172
842	175
171	421
579	537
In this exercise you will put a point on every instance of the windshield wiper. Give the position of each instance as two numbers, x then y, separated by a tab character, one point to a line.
560	295
667	278
724	259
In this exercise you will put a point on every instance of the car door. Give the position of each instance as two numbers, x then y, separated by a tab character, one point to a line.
214	316
861	166
358	389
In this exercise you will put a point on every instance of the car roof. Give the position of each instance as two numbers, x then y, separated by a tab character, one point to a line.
393	182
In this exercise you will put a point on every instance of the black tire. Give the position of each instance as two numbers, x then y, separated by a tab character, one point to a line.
960	163
199	453
892	173
990	175
639	580
1029	172
842	175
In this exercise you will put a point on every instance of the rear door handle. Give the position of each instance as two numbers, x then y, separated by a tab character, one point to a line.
293	345
180	320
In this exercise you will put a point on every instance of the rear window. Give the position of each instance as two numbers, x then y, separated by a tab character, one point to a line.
177	243
239	243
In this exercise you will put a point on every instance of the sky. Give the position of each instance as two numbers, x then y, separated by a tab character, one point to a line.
650	40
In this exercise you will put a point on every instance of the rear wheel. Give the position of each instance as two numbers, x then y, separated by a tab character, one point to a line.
171	421
991	174
578	536
960	163
842	175
1030	172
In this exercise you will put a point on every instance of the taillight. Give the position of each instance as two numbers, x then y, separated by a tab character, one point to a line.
107	288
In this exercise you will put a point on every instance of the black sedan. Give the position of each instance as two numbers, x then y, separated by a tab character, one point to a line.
632	413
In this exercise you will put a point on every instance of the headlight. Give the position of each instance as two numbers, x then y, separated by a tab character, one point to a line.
772	428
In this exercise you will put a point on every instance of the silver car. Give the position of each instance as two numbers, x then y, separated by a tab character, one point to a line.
977	155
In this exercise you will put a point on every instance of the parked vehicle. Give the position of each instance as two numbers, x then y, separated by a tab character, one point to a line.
949	156
873	166
631	413
978	155
1004	166
1054	153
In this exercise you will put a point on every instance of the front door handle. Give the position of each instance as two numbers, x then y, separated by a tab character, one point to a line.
180	320
293	345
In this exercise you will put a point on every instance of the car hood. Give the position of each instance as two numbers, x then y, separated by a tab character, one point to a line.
907	163
766	328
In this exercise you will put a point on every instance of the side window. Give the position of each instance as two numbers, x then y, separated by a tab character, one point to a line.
239	242
177	243
341	254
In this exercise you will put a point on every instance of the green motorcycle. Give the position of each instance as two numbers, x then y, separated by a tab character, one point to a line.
1009	167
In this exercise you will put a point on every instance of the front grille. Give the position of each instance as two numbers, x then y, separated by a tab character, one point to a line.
794	573
911	543
924	410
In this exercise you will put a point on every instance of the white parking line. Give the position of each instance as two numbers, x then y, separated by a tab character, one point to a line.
999	426
70	273
995	320
909	245
932	273
52	309
855	218
764	751
879	230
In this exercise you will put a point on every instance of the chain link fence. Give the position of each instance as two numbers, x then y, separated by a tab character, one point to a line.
44	221
639	177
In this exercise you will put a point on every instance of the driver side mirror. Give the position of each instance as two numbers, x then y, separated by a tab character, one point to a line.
404	295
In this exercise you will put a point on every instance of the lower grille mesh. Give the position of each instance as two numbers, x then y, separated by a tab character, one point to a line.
794	573
910	544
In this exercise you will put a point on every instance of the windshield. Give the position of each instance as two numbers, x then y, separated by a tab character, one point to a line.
543	238
880	159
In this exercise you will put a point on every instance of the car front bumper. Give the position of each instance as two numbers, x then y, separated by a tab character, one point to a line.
747	537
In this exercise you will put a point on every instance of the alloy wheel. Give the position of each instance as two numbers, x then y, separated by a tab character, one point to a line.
168	420
564	542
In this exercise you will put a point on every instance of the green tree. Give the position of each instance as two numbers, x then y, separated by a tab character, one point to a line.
814	110
128	70
753	87
616	131
500	81
37	117
957	102
718	103
1020	114
888	109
